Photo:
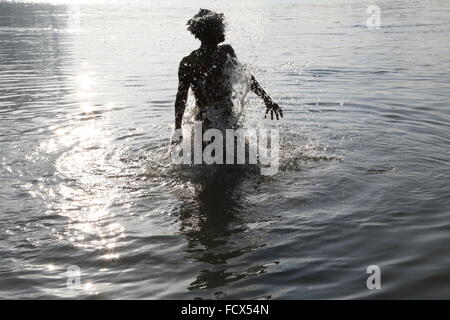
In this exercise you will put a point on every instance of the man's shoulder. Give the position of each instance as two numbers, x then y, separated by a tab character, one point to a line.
227	48
188	60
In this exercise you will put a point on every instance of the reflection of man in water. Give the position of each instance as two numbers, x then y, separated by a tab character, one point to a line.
205	72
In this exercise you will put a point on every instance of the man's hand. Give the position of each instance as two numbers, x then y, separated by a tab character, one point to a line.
273	108
270	105
177	137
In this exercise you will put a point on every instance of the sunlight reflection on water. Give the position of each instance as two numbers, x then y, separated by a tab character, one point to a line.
87	109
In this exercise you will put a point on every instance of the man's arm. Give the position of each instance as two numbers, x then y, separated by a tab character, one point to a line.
184	78
257	89
270	105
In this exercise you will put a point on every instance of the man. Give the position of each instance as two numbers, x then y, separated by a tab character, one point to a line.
206	72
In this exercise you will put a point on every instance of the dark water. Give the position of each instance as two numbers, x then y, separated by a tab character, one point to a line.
86	109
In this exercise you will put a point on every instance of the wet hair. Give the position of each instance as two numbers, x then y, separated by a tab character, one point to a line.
205	23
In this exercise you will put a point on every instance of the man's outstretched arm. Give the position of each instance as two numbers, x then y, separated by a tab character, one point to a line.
270	105
184	78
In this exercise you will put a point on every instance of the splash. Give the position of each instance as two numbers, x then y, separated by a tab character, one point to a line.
238	82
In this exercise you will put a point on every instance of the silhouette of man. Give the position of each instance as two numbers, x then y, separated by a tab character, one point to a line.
205	71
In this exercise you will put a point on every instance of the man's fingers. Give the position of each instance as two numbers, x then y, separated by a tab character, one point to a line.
276	109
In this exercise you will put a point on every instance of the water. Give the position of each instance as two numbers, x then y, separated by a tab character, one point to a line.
86	110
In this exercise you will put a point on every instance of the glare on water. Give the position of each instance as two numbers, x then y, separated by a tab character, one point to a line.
86	112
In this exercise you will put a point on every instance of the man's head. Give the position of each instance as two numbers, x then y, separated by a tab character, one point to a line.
207	26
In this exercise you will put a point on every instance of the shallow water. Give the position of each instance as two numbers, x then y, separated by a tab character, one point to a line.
86	109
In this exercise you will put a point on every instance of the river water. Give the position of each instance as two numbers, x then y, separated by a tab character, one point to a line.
87	192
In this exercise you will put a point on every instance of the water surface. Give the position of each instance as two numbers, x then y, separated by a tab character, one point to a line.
86	110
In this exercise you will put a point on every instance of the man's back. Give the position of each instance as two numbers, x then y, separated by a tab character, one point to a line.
208	72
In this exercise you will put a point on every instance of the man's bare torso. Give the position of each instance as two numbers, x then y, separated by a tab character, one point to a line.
208	73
